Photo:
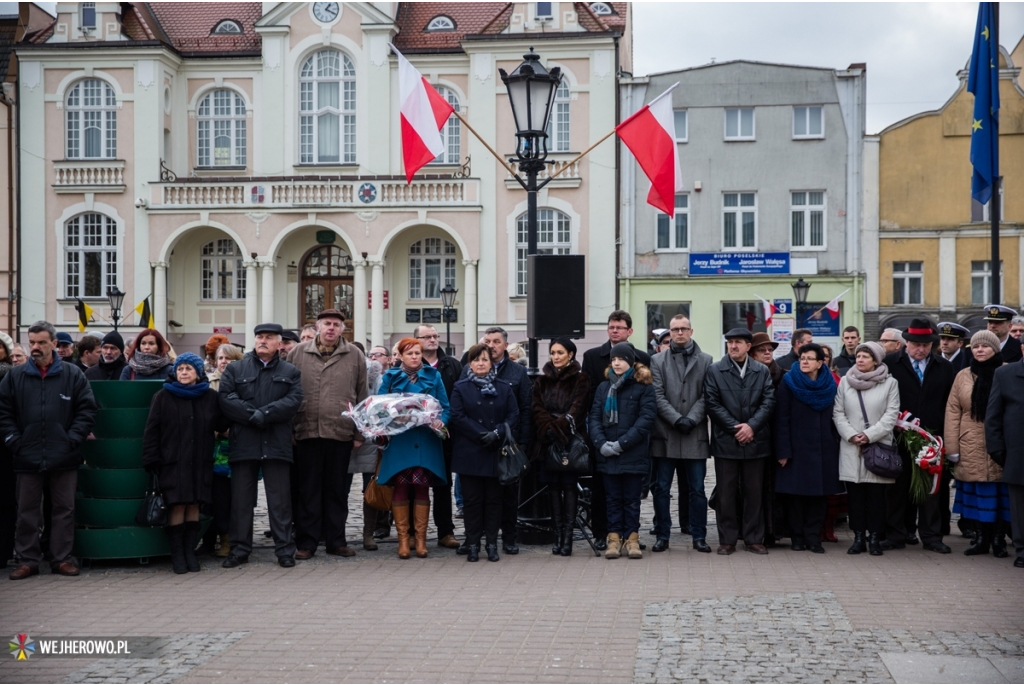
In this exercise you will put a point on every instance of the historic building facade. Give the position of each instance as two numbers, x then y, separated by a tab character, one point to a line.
241	162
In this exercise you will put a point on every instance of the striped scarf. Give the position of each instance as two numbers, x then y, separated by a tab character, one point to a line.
611	403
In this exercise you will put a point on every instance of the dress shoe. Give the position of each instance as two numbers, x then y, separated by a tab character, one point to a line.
342	552
463	549
653	531
448	542
889	545
492	552
939	547
685	530
472	552
816	549
660	546
859	546
1017	563
702	546
875	545
303	554
380	534
725	550
286	562
66	568
757	549
999	548
24	571
798	547
233	562
509	547
600	544
912	540
769	541
268	533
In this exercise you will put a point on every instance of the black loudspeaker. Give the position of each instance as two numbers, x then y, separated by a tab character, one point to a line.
555	306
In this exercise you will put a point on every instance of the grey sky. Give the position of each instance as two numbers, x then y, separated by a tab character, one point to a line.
913	50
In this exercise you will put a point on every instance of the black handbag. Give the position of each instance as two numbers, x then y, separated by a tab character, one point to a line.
881	460
512	461
152	512
574	457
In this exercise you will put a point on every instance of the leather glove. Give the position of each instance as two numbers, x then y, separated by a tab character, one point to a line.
953	458
999	457
685	424
611	449
257	418
489	438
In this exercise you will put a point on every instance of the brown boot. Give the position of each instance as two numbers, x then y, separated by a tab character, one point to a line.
421	515
633	550
369	523
400	510
225	546
614	546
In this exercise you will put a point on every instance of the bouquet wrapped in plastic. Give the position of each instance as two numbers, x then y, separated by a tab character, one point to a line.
381	416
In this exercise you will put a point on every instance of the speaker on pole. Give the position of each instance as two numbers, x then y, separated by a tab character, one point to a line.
556	304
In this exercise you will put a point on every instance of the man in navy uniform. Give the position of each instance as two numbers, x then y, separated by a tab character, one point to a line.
998	317
952	337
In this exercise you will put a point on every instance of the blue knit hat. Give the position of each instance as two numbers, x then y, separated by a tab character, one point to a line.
192	360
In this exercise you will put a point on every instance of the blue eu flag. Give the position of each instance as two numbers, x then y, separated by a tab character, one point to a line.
983	81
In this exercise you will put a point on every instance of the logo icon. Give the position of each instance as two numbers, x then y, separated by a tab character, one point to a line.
367	193
23	647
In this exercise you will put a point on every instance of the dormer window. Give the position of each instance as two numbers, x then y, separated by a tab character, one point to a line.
600	8
441	23
88	17
544	10
227	27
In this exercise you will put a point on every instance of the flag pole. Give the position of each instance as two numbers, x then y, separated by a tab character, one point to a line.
584	153
995	271
819	311
485	143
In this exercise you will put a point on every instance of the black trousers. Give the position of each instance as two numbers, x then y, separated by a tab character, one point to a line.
8	505
443	519
598	507
900	510
323	483
481	508
277	485
739	482
867	507
805	514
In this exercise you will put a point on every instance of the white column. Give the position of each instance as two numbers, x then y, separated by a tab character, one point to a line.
470	303
267	292
160	296
250	303
377	313
359	301
947	273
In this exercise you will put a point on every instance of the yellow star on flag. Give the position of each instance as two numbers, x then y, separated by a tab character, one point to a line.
977	125
985	33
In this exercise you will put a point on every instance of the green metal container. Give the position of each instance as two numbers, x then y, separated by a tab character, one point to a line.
125	394
106	513
113	483
120	423
119	453
133	542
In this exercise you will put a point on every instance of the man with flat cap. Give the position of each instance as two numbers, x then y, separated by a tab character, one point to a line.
739	399
289	339
925	380
260	396
998	318
952	337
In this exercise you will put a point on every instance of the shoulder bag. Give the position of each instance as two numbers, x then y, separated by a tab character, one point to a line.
152	512
881	460
573	457
512	462
376	495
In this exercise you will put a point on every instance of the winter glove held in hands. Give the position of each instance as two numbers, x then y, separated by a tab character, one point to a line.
611	449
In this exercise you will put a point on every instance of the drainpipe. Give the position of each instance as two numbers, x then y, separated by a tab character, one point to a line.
10	210
618	178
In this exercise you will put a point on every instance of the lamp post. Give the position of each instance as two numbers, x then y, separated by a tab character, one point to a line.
531	93
448	294
800	290
115	298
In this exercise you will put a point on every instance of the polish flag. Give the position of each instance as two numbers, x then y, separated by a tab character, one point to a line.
424	112
650	135
769	310
833	306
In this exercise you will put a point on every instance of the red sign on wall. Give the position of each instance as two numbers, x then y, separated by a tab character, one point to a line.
369	299
222	329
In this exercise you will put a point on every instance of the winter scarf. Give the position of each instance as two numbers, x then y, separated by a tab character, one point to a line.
188	391
485	382
611	403
687	352
410	372
983	372
148	364
817	394
866	380
5	367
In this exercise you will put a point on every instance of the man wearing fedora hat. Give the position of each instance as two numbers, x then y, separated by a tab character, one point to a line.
998	318
925	380
762	348
952	337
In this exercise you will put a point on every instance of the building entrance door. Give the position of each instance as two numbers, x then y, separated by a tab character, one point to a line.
326	283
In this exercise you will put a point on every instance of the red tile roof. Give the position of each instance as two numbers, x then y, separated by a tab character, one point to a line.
189	25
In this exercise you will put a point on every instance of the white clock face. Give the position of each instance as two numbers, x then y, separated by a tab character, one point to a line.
325	11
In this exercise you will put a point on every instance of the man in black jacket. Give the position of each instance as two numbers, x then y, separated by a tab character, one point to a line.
847	357
47	411
999	317
260	396
111	359
450	370
595	362
739	399
925	380
1004	439
952	337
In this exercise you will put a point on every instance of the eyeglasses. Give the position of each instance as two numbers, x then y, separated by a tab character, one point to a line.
618	328
885	340
811	359
428	337
376	354
680	330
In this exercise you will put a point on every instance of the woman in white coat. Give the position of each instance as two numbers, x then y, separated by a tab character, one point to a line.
870	379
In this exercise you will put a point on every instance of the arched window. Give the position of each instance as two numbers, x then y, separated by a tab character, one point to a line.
451	132
90	253
554	236
223	274
441	23
558	124
221	128
431	267
600	8
91	121
228	27
327	105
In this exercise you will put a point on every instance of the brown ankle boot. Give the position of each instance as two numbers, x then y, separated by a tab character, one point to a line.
369	523
421	515
225	546
400	510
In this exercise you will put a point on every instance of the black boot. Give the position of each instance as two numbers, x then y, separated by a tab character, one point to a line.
874	545
556	520
473	553
568	521
188	543
174	535
983	534
999	541
858	546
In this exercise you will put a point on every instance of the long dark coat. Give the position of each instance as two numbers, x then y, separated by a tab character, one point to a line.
808	439
730	400
926	401
1004	420
638	410
474	413
555	394
680	393
179	444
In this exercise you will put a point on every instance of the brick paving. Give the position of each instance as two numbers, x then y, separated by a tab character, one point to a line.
532	617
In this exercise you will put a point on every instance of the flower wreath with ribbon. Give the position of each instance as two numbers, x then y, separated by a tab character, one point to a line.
928	454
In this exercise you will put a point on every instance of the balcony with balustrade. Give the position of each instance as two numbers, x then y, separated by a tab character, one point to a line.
89	176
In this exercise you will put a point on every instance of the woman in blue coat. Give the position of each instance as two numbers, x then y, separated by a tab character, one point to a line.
482	407
807	446
413	460
621	421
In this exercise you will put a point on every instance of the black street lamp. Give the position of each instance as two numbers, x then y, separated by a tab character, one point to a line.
448	294
116	299
531	92
800	290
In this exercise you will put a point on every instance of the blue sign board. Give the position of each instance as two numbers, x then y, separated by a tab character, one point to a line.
821	324
739	263
783	306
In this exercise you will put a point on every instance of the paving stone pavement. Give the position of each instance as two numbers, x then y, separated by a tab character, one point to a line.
529	618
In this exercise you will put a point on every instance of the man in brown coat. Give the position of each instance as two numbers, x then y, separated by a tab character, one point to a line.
333	375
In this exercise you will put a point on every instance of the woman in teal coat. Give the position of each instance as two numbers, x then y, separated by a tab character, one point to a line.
413	460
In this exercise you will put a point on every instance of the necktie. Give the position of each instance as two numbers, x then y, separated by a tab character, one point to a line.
920	371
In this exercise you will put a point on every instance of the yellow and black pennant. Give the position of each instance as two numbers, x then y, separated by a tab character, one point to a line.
84	315
145	314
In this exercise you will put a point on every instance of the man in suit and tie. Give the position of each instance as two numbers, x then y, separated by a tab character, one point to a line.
999	317
952	337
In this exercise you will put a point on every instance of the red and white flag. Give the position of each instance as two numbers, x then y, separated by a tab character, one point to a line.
424	112
833	305
769	310
650	135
